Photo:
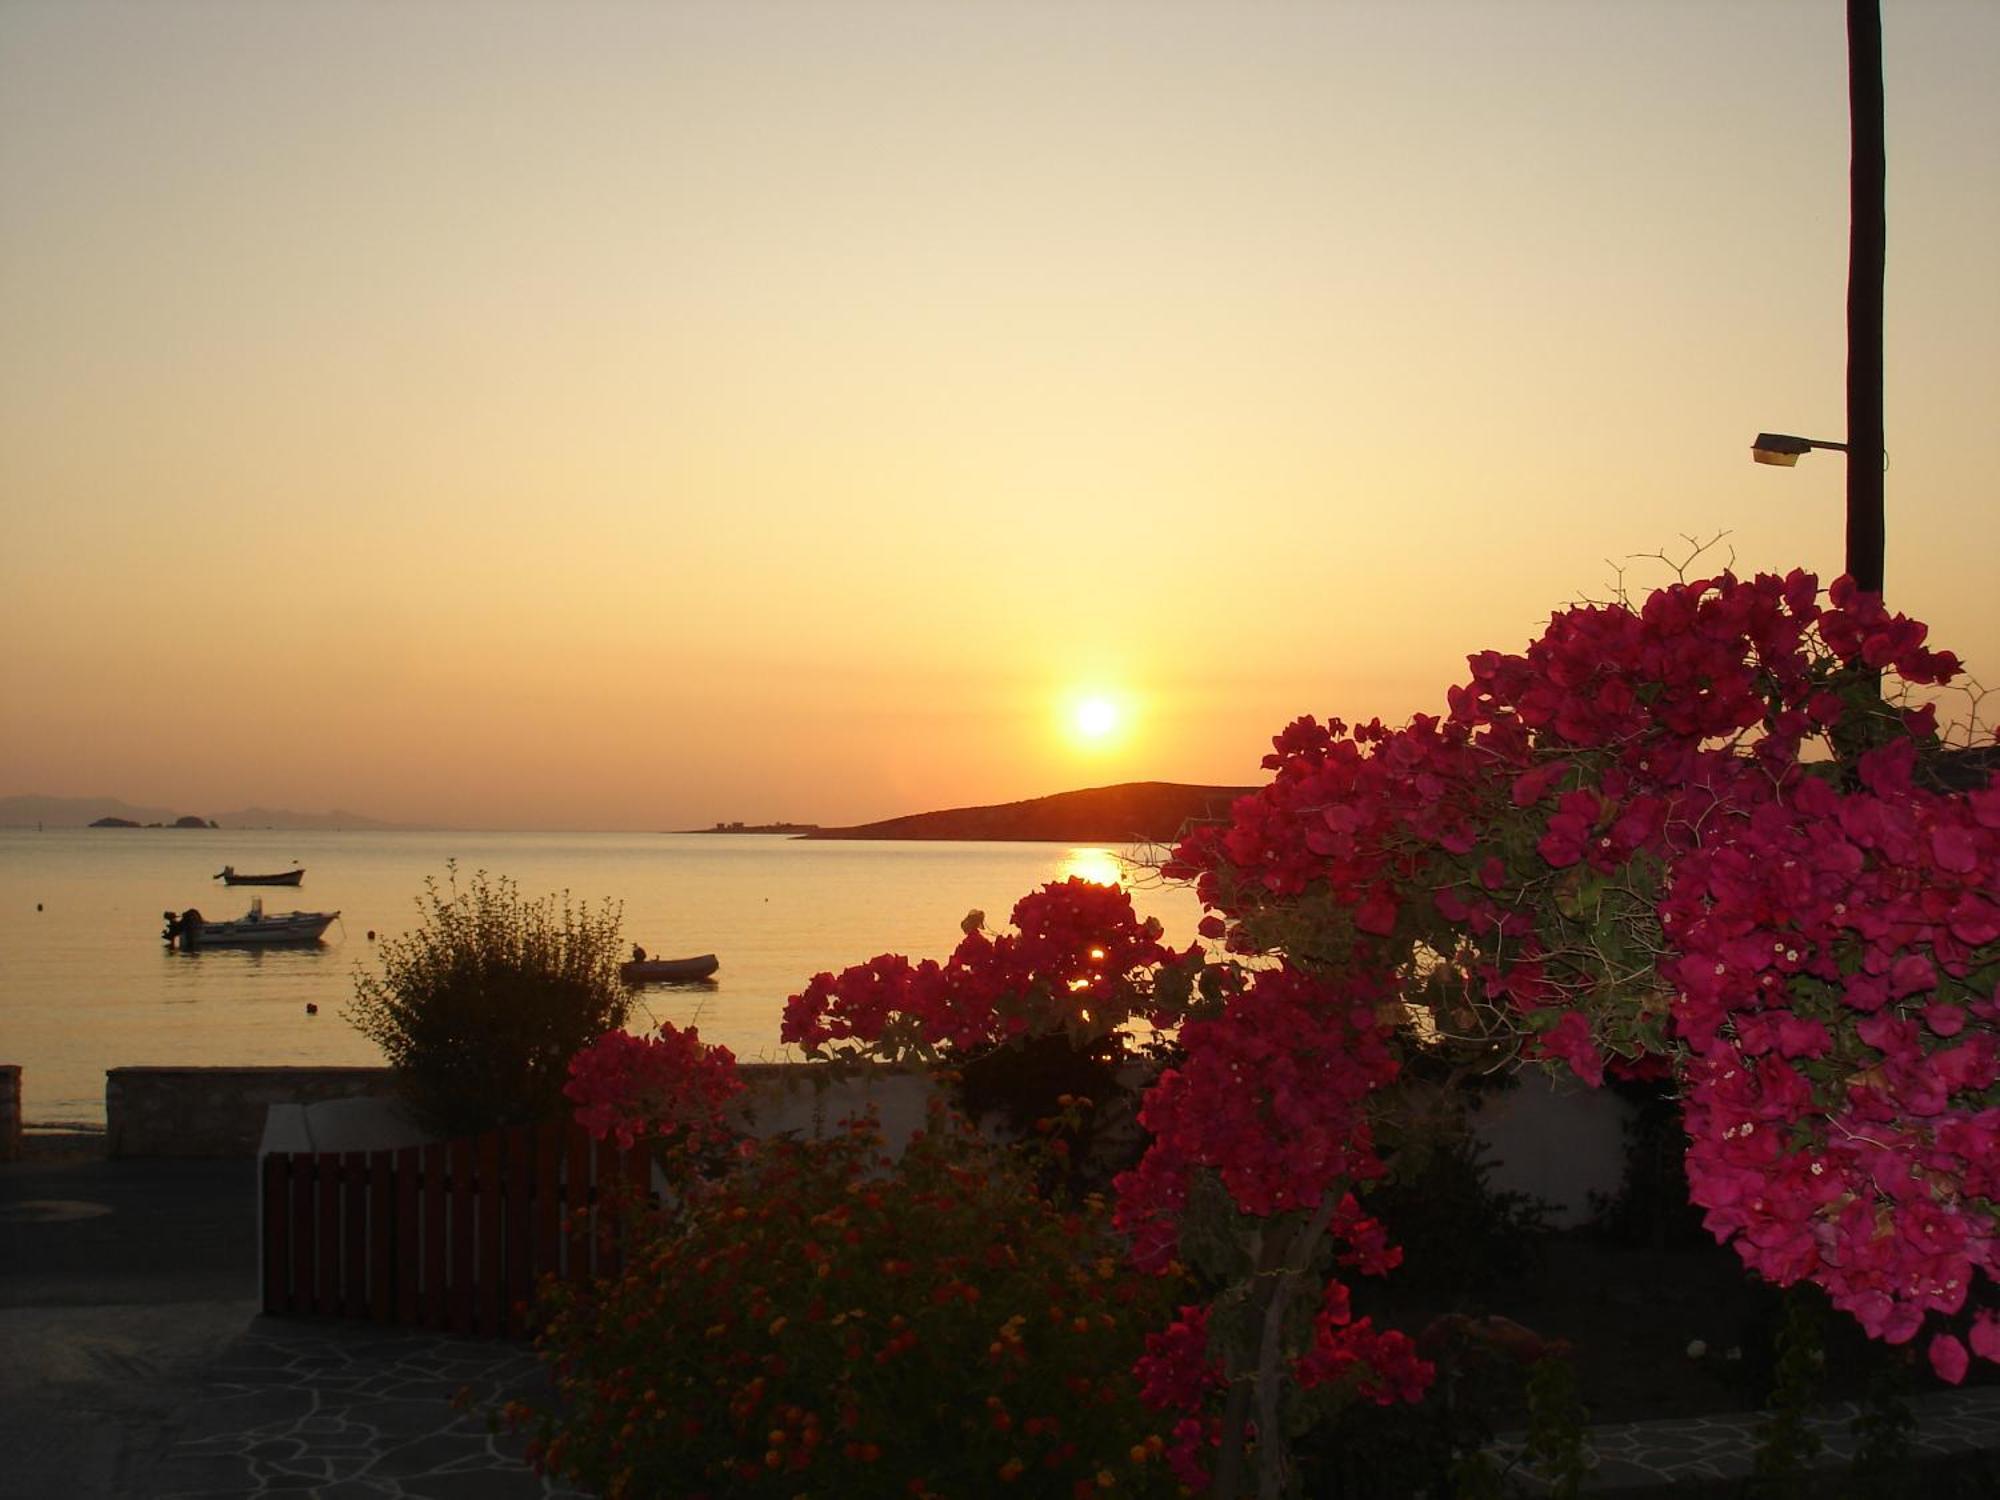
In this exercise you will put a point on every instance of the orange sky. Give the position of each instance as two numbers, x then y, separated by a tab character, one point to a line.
629	416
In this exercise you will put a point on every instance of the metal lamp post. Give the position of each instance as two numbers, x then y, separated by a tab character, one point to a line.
1867	238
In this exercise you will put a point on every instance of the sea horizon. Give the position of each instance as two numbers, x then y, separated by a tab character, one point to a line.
87	984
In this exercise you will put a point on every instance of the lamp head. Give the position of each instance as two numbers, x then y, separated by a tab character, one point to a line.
1779	448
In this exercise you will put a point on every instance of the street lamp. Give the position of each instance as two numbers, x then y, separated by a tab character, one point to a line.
1782	449
1865	238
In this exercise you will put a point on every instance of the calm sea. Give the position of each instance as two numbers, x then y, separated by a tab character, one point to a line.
86	984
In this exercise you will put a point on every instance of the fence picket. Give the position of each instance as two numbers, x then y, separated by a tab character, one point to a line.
518	1280
548	1200
304	1235
381	1233
277	1221
464	1219
326	1284
436	1204
409	1252
354	1234
489	1290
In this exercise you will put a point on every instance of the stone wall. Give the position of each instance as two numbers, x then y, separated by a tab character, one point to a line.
220	1111
1555	1139
215	1111
10	1111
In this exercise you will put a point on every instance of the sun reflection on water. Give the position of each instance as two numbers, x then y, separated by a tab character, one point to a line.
1098	866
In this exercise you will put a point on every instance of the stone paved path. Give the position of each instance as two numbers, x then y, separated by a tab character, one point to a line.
1693	1451
296	1408
339	1412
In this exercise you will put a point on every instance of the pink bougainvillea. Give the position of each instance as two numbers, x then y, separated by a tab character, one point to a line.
670	1084
1837	960
1079	960
1270	1096
1689	831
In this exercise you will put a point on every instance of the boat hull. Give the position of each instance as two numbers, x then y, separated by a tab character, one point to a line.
287	877
668	970
266	930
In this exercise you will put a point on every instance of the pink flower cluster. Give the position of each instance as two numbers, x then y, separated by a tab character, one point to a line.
1270	1096
669	1085
1079	960
1178	1372
1838	970
1379	1365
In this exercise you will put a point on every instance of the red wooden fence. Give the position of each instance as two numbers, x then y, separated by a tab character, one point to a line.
451	1236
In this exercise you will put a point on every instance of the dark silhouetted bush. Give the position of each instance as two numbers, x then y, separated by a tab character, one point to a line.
481	1006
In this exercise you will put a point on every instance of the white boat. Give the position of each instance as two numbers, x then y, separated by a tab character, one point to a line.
255	928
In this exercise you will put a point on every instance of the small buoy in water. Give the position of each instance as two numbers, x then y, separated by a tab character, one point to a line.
311	1009
371	934
38	906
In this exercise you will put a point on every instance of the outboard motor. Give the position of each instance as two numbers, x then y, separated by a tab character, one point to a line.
173	927
182	927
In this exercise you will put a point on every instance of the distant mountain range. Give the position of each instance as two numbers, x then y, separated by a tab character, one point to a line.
81	812
1134	812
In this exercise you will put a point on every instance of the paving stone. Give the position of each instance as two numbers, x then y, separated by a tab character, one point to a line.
1617	1474
399	1420
180	1473
423	1390
360	1489
490	1484
249	1411
426	1455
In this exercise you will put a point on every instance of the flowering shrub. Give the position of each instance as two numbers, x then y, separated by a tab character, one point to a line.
822	1320
670	1085
1617	848
1080	962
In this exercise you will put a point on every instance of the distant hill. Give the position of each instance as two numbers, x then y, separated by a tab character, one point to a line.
1131	813
77	812
741	827
81	812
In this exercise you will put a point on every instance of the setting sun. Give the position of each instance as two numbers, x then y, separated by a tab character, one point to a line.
1096	718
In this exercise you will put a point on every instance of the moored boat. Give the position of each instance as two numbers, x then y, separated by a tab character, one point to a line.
255	928
668	970
228	876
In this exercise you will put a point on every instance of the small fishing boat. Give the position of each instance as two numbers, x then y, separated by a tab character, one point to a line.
228	876
255	928
668	970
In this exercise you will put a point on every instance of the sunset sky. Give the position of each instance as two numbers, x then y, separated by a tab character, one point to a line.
596	415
